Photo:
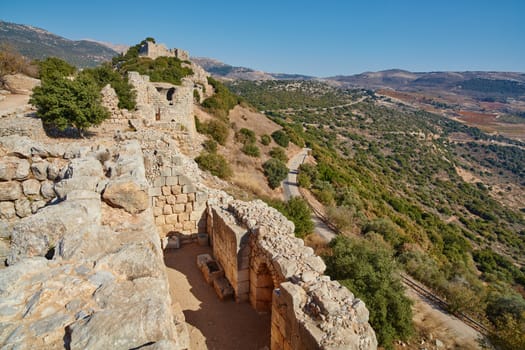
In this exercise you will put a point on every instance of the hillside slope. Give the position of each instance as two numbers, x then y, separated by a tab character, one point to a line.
37	43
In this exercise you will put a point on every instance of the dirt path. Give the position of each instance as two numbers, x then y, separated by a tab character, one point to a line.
212	323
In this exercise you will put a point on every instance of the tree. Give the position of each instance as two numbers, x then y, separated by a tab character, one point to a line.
62	102
368	269
298	211
53	67
278	153
275	171
281	138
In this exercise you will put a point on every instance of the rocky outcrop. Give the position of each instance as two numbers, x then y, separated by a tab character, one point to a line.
82	274
19	83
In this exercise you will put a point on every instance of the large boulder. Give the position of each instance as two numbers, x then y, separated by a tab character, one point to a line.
20	84
126	194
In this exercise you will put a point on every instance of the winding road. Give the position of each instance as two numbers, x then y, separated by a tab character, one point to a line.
291	189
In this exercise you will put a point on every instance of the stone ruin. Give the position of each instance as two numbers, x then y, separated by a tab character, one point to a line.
152	50
82	228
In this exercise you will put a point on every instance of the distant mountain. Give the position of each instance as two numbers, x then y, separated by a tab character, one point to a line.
36	43
229	72
470	83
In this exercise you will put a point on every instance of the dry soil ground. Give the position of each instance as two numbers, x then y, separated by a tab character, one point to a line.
213	324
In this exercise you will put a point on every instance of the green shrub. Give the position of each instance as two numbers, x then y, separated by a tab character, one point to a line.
53	67
275	171
251	150
281	138
265	139
104	75
245	136
210	146
215	164
217	129
222	101
63	103
279	154
297	211
368	269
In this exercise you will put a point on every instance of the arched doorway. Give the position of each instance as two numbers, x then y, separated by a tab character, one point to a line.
261	288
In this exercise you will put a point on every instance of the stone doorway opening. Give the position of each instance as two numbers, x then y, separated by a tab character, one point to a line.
261	288
212	323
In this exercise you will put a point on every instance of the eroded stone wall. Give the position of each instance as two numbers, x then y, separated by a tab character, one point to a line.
86	271
309	311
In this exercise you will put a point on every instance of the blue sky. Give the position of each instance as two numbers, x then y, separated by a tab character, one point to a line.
321	38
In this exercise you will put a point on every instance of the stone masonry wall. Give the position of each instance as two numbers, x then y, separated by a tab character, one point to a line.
309	311
86	271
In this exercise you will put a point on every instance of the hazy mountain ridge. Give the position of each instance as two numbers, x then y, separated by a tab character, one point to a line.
37	43
229	72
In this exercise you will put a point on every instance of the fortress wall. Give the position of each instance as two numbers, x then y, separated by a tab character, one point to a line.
86	271
309	311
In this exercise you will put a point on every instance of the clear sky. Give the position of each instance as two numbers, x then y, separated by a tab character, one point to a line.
320	38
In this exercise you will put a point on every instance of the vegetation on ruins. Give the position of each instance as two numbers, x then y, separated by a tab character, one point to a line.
162	69
105	74
64	102
393	172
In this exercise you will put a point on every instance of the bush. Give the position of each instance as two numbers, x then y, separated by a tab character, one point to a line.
63	103
279	154
297	211
104	75
275	171
217	129
222	101
210	146
251	150
215	164
281	138
53	67
368	269
12	62
265	139
245	136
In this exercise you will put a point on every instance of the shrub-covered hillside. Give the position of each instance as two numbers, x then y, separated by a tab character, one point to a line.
448	199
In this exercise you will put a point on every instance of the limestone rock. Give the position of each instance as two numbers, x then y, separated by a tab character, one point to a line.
37	234
23	207
7	210
127	195
10	191
39	170
79	183
20	83
47	190
31	187
13	168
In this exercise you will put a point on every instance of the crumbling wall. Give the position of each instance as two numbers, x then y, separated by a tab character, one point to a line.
153	51
308	310
86	271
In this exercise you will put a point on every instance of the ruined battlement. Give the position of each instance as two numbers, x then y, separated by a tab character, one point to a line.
153	51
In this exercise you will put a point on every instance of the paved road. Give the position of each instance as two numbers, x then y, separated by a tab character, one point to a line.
291	189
